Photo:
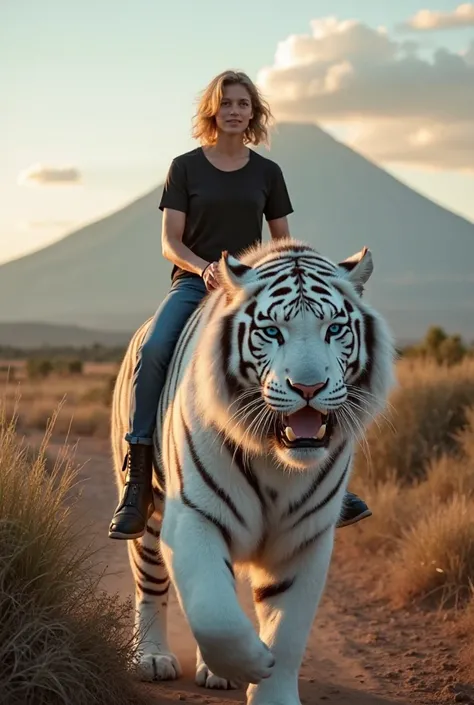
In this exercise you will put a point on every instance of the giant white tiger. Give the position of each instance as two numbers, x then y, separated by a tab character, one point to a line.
271	386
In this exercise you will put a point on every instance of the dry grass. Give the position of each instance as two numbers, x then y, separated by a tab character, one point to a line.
83	401
436	555
62	640
427	410
420	485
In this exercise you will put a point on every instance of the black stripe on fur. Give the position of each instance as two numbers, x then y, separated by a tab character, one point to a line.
207	478
148	555
296	506
266	592
150	591
150	578
245	469
324	501
308	542
189	503
230	567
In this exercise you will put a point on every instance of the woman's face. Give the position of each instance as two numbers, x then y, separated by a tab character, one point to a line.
235	111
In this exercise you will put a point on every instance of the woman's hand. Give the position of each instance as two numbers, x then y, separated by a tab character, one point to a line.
210	276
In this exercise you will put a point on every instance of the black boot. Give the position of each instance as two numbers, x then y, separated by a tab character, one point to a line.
136	504
353	510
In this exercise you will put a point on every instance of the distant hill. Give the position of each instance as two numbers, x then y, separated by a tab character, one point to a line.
37	335
111	275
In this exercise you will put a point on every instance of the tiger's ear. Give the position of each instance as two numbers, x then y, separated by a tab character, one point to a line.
358	268
235	275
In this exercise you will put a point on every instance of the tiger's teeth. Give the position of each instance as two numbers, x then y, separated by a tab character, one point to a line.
322	432
290	434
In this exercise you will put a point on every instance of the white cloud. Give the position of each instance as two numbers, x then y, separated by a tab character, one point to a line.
437	146
41	175
408	109
430	20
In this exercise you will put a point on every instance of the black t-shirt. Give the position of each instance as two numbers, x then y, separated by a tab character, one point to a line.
224	209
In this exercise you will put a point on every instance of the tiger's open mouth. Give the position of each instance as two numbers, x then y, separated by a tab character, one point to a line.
306	428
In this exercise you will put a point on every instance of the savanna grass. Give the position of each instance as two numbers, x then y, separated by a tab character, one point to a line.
62	640
419	482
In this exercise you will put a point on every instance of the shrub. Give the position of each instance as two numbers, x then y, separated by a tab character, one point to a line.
436	557
439	347
393	509
102	394
75	367
427	410
62	640
425	528
39	368
69	367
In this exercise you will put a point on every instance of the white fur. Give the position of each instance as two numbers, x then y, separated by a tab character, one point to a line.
266	536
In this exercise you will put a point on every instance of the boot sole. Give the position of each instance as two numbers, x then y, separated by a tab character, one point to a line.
121	535
124	537
354	520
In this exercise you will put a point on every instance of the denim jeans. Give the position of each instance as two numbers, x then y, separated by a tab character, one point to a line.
155	355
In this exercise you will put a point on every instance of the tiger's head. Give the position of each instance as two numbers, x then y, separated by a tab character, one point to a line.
296	358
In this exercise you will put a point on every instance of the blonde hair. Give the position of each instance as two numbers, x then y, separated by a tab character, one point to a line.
204	123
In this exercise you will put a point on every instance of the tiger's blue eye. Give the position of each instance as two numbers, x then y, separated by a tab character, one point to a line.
272	331
335	328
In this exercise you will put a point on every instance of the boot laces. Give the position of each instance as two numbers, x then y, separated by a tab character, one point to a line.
136	464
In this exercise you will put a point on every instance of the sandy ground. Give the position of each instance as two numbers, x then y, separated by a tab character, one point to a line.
360	651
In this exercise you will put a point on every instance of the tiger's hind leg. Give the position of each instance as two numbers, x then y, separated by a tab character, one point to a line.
155	660
206	678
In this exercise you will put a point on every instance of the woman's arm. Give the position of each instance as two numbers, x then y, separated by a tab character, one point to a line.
172	245
279	229
178	253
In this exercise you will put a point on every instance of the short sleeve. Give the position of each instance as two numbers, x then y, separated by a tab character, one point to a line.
278	201
175	192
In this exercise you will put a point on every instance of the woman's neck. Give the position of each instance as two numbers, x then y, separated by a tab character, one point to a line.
228	146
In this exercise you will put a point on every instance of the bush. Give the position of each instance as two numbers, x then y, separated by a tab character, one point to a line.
424	527
427	410
393	507
62	640
436	557
102	394
69	367
39	368
439	347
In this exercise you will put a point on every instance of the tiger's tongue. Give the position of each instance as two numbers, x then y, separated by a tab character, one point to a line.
305	423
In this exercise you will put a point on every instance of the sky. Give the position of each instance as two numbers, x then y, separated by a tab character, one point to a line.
97	95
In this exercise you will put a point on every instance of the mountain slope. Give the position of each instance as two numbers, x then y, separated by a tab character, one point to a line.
37	335
111	274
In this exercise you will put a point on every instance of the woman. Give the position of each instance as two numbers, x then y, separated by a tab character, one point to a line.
214	199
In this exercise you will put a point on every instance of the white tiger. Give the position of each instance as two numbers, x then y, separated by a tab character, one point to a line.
273	381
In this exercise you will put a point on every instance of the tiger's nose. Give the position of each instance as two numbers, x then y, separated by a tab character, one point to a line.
307	391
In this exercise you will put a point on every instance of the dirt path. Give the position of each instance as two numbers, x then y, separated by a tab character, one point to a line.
359	652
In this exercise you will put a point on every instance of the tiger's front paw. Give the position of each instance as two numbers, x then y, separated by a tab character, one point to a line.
268	692
158	667
238	657
207	679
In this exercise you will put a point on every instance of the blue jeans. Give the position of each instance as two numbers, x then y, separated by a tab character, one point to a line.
155	355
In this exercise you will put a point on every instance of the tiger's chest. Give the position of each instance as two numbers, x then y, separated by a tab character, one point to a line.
265	513
295	510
